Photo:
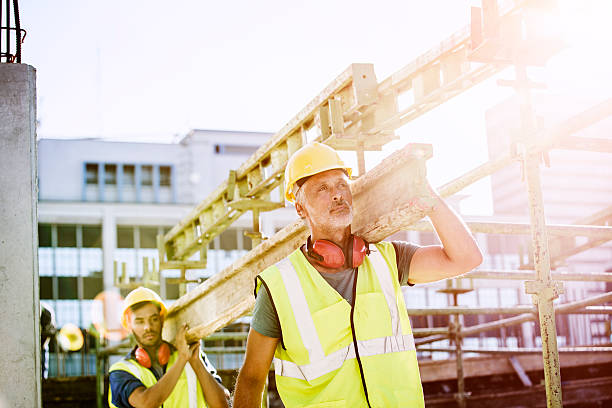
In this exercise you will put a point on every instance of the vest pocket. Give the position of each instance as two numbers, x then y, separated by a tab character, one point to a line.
328	404
372	316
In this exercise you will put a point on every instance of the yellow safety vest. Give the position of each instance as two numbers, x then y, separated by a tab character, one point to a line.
187	392
322	359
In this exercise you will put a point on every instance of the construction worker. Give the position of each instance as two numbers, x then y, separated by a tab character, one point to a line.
331	316
155	373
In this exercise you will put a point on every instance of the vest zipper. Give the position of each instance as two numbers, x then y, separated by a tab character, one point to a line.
363	382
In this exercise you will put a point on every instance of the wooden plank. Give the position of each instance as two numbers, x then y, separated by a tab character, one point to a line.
596	392
229	294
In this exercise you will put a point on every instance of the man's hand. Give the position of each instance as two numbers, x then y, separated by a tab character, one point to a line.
195	356
155	395
459	252
215	394
185	351
426	203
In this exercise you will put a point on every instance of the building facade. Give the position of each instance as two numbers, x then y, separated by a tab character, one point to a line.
102	201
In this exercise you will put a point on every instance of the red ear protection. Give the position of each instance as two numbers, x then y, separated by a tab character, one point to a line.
330	255
163	355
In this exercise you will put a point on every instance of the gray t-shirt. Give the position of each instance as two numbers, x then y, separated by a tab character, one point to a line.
265	320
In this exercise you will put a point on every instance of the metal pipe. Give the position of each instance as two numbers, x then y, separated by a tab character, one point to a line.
455	329
114	349
517	350
99	374
119	348
516	228
519	309
542	289
17	32
463	310
227	336
529	275
472	176
511	321
423	332
225	350
8	30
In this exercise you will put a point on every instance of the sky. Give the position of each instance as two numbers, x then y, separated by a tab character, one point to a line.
151	70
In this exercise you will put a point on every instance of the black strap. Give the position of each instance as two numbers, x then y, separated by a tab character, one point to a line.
363	382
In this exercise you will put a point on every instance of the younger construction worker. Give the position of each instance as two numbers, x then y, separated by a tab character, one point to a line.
155	373
331	316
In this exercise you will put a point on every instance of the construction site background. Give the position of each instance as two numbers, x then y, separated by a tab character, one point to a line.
191	218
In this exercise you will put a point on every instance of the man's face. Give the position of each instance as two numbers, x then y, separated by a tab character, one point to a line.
147	325
325	200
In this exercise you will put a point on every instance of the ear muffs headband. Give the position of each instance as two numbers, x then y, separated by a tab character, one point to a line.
163	355
330	255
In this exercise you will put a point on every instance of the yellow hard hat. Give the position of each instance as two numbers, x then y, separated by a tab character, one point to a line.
139	295
311	159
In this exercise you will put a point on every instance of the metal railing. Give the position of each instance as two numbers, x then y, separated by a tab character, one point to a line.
10	30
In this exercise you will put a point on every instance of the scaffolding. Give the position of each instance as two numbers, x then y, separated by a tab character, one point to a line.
355	112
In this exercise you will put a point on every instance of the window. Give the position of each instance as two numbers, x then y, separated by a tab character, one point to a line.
92	236
92	286
228	240
129	178
147	175
67	286
165	176
125	237
148	237
172	291
91	173
66	236
247	243
110	174
235	149
44	235
45	286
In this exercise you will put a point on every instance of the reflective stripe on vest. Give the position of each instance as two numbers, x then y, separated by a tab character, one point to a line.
320	364
136	371
192	386
133	368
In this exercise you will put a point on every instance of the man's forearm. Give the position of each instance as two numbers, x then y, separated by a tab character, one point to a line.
155	395
248	392
457	240
214	393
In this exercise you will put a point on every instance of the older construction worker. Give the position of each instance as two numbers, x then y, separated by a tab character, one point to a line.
155	373
331	316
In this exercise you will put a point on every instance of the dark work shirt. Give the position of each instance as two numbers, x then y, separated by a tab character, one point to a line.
123	383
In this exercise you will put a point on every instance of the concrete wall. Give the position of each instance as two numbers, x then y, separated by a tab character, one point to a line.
19	315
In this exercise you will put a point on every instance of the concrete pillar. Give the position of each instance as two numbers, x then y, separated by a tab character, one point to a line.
19	303
109	244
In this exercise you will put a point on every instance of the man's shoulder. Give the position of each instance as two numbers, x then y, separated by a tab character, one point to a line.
126	364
